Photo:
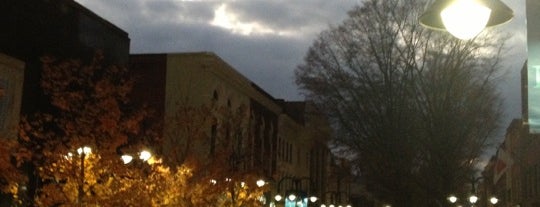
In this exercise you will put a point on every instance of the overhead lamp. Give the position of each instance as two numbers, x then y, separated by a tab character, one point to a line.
452	199
465	19
260	182
473	199
493	200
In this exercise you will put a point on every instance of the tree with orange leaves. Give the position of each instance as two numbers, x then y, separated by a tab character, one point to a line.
12	179
90	108
211	139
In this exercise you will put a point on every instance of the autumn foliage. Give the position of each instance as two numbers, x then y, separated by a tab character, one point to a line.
11	158
90	107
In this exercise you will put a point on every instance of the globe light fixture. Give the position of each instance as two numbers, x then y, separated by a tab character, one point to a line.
260	183
452	199
84	150
126	158
465	19
278	197
145	155
493	200
473	199
292	197
313	199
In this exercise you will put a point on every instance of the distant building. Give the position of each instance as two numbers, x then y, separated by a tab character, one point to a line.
533	66
11	81
63	29
284	140
32	29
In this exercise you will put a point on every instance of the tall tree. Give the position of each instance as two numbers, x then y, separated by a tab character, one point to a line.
212	140
89	108
414	107
12	179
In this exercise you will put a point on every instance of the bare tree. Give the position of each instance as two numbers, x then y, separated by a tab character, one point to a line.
414	107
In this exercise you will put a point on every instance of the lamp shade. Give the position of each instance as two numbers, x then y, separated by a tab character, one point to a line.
499	13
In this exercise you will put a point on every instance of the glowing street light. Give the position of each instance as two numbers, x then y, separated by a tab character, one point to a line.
126	158
292	197
83	152
493	200
473	199
452	199
260	183
145	155
465	18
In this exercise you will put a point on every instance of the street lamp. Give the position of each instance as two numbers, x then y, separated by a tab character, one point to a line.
452	199
143	155
465	18
260	183
473	199
493	200
83	152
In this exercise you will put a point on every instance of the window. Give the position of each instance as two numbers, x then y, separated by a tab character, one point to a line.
215	96
213	135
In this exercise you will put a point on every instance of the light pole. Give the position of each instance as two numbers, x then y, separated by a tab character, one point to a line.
82	151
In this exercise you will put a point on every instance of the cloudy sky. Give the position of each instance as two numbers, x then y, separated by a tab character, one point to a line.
264	39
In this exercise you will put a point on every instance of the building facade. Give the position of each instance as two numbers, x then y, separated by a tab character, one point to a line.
32	29
284	141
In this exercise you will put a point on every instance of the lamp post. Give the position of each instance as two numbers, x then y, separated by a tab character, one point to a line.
83	152
465	18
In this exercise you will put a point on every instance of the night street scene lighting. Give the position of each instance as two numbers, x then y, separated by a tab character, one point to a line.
465	19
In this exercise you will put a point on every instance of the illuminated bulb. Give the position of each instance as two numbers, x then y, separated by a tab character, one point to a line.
493	200
84	150
452	199
127	158
260	183
465	18
145	155
292	197
473	199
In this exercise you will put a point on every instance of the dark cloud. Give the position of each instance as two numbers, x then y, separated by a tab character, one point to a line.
184	26
269	60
